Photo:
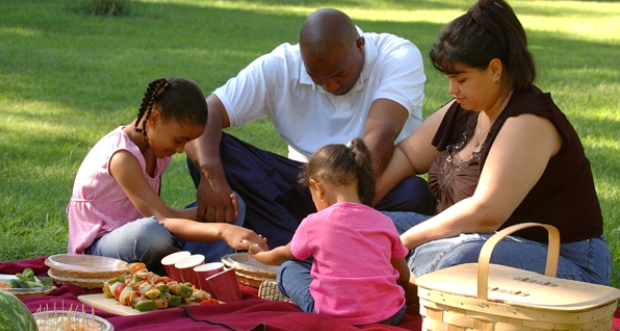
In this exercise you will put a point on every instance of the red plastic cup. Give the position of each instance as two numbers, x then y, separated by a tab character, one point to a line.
206	270
186	268
225	286
168	262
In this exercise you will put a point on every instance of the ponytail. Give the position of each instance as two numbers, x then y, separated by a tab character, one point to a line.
341	164
365	173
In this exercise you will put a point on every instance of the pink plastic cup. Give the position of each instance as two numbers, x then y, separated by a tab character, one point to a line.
225	286
186	268
206	270
168	262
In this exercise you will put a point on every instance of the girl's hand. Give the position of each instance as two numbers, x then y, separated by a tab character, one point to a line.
276	256
241	238
259	254
255	249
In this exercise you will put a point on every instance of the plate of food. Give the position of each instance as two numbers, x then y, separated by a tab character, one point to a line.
139	290
25	284
57	320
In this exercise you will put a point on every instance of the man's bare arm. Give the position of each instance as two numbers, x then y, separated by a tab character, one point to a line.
213	194
386	119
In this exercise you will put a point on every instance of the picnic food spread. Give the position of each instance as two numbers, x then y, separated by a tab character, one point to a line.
144	290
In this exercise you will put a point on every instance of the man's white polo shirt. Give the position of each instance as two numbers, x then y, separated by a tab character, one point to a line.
305	116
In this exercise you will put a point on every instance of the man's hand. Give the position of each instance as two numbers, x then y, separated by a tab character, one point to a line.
216	201
213	194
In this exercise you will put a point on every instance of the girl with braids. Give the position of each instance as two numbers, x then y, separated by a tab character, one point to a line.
500	153
356	250
115	209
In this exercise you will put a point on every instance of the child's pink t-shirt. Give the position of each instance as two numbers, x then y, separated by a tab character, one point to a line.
353	277
98	204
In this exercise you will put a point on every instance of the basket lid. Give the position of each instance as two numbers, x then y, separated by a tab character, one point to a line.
520	288
246	264
85	266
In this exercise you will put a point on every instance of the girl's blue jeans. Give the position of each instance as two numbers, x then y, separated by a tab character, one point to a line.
146	240
587	260
294	282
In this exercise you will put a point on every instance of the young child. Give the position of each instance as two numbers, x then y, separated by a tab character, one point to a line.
116	210
358	273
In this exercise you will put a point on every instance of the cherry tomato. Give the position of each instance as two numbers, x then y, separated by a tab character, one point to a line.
156	279
118	290
210	301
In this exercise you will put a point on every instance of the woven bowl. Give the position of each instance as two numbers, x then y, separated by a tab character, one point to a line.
249	271
85	266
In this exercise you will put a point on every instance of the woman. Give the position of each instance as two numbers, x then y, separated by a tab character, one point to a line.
501	153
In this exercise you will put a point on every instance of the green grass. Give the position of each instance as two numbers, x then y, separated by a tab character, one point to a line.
66	79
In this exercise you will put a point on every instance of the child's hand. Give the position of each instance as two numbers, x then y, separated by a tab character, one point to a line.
276	256
259	253
255	249
240	238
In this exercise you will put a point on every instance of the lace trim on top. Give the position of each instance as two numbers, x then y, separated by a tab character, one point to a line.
451	162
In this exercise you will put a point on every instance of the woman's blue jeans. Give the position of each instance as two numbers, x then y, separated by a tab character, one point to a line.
587	260
146	240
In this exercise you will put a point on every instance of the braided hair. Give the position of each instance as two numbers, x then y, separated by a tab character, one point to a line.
179	99
341	164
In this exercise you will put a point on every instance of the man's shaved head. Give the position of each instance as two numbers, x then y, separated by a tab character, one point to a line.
326	28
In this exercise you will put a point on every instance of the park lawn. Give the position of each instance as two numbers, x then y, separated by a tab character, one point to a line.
66	79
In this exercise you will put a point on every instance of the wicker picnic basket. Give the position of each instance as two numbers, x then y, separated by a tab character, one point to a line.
490	297
249	271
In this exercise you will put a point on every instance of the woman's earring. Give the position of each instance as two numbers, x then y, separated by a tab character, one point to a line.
322	198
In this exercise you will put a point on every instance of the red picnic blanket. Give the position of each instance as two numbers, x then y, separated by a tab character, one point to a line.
253	313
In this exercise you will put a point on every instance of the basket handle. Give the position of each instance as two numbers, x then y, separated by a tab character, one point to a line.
484	259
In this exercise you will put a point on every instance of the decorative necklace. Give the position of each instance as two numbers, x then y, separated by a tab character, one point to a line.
480	138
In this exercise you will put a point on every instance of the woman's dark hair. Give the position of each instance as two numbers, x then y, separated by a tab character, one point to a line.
179	99
490	29
340	164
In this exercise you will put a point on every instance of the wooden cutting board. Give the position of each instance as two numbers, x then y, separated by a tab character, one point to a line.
111	305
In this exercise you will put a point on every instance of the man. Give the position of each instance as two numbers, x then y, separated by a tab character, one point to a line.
336	85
